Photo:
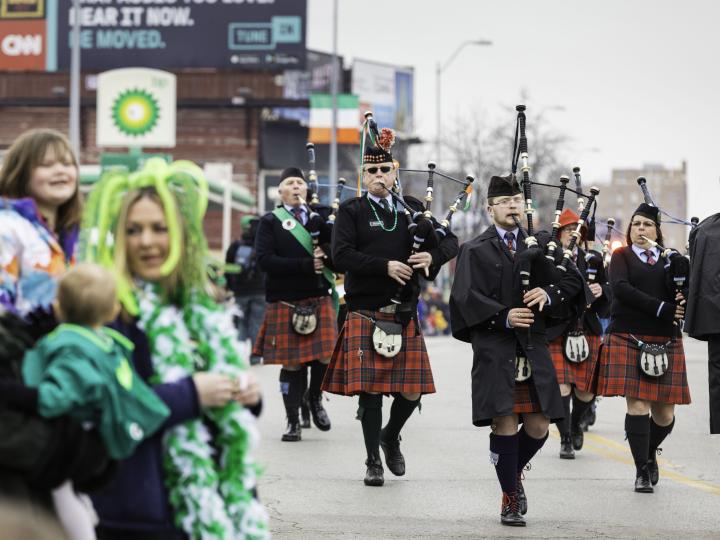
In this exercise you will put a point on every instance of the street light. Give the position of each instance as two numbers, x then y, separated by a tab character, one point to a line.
439	68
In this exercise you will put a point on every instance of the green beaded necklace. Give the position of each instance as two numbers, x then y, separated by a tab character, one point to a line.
382	225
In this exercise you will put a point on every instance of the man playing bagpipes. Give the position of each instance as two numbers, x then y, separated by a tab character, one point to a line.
575	340
292	247
380	349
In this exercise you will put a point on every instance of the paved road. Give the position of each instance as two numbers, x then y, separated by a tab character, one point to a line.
313	489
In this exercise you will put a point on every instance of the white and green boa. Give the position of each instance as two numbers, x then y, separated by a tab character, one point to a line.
212	495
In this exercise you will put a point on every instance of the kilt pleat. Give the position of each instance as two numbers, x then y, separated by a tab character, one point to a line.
278	343
355	367
579	375
526	400
620	374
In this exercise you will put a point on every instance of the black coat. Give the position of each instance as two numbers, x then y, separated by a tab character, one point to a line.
702	316
486	287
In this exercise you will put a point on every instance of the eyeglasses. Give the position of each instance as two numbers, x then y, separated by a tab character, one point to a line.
384	169
508	201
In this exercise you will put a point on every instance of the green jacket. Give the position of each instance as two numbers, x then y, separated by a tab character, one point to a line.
87	374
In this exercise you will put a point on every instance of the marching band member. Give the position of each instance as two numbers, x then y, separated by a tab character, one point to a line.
643	358
381	350
513	378
299	327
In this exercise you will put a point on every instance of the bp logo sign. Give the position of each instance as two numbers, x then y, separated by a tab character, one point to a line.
136	112
136	107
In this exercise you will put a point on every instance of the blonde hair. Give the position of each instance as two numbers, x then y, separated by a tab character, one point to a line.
87	295
24	156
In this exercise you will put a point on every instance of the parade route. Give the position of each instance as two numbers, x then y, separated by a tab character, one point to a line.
314	488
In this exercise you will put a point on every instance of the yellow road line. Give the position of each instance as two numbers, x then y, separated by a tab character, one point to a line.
616	451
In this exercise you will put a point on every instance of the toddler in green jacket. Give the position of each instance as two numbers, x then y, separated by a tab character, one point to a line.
85	370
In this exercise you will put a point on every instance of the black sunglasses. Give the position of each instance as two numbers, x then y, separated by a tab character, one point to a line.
384	169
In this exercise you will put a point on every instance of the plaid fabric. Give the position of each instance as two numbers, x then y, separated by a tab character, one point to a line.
356	367
526	400
579	375
620	374
278	343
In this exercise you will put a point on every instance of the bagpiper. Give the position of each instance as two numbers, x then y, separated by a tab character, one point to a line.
293	249
643	358
380	350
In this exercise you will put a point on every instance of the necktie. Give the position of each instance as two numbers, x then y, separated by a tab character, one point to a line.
385	205
510	241
297	212
650	257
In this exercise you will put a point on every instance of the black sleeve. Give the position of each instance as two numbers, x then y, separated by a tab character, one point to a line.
270	261
566	290
446	250
628	294
15	395
256	409
344	252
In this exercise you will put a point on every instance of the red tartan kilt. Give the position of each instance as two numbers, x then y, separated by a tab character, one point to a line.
526	400
620	374
356	367
572	373
278	343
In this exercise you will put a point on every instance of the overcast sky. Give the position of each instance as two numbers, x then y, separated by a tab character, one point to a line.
630	82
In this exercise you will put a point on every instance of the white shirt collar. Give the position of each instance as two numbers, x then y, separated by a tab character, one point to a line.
378	199
640	252
501	232
289	208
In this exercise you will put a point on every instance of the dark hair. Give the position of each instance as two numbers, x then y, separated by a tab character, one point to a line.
659	239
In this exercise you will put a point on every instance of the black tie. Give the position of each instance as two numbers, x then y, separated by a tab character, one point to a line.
385	205
298	213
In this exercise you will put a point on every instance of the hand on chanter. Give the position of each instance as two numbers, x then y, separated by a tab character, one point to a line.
421	261
400	272
520	317
596	290
535	297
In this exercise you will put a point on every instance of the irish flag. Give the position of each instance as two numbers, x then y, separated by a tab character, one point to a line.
348	115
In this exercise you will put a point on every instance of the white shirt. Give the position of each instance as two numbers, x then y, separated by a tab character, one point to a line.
501	233
303	216
377	199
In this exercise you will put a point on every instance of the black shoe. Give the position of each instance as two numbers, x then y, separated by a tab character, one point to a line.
293	432
319	415
642	481
305	411
577	436
521	497
510	511
653	469
566	449
394	459
374	473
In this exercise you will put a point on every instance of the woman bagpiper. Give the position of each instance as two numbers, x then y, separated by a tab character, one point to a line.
642	357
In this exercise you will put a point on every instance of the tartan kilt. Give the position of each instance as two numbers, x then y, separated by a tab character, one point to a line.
526	400
620	374
278	343
355	367
579	375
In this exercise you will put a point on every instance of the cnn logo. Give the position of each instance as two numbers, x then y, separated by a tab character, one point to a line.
19	45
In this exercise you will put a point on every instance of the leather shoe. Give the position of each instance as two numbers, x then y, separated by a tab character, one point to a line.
293	432
566	449
510	511
653	470
521	497
319	415
394	459
305	412
642	481
578	437
374	473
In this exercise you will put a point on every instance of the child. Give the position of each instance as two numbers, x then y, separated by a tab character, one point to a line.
82	368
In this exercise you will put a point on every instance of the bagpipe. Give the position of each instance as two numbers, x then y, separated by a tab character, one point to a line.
315	222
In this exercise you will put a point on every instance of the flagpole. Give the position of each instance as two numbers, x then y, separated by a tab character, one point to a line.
334	94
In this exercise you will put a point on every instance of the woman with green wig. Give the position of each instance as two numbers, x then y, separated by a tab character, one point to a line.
196	477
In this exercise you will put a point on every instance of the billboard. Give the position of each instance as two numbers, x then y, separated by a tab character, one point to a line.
386	90
136	107
23	35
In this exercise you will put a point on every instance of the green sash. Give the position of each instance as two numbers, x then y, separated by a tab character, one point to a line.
305	240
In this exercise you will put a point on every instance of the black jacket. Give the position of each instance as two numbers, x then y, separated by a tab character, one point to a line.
702	316
486	287
290	274
362	249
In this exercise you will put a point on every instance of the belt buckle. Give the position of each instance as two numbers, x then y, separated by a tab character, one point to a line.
392	308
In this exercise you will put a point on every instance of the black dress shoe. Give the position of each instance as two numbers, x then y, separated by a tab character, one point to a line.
521	497
566	449
293	432
319	415
642	481
510	511
305	411
577	436
653	470
394	459
374	473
